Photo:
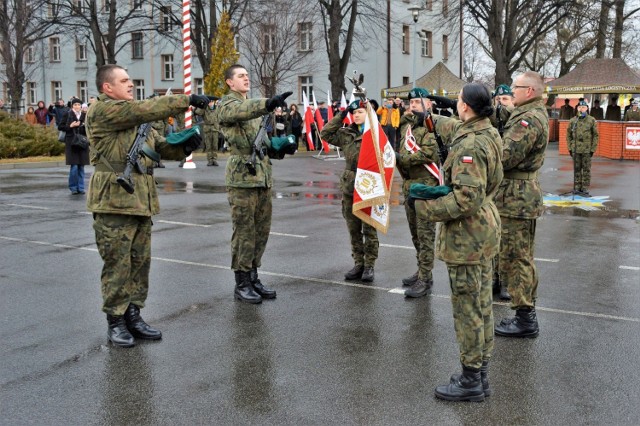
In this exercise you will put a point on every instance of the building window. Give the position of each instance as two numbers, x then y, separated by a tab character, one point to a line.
56	90
405	38
268	38
428	5
425	43
445	47
445	8
138	87
306	85
405	80
136	46
304	35
53	9
83	91
167	67
136	4
32	93
106	6
30	55
81	52
166	23
77	7
198	86
54	49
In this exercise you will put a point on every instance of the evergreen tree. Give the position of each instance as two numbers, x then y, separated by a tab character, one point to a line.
223	55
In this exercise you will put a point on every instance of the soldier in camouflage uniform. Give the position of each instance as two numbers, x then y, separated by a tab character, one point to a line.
364	237
582	141
122	221
210	128
417	161
469	235
633	113
249	193
519	201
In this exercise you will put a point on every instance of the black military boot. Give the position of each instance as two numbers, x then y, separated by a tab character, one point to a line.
463	387
484	378
496	284
367	275
523	324
244	290
138	327
419	288
409	281
504	294
118	333
263	291
354	273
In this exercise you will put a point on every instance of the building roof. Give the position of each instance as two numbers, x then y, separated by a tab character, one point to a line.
438	81
597	76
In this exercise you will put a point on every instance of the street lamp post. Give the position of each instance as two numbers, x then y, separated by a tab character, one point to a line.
415	11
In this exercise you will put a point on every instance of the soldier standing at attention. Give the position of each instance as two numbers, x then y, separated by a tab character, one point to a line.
122	221
597	112
613	110
364	237
210	128
566	111
470	235
249	193
633	113
417	161
582	141
519	201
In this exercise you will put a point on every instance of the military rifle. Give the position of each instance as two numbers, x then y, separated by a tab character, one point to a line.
499	119
443	152
134	158
258	145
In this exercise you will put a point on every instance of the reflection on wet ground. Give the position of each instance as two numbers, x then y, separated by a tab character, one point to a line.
611	209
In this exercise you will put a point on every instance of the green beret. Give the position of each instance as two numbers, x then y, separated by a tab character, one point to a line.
357	104
282	142
424	192
501	90
180	137
418	92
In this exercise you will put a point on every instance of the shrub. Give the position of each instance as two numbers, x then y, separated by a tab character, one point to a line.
19	139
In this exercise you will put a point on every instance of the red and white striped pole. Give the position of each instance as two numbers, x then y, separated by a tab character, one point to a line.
186	49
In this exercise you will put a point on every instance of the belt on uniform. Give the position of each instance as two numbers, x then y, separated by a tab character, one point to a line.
521	175
235	151
118	167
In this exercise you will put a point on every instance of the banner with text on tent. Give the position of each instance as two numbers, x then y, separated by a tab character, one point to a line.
376	165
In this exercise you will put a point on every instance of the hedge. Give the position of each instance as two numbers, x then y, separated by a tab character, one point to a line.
19	139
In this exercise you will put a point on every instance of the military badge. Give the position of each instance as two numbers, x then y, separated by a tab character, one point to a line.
467	159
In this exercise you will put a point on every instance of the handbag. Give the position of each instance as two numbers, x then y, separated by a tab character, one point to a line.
80	141
62	135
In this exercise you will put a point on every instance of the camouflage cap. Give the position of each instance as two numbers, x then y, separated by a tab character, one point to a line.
418	92
502	90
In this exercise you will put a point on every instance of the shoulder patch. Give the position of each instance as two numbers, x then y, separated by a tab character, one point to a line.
524	123
467	159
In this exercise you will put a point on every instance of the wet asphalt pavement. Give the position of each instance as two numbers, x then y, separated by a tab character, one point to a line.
325	351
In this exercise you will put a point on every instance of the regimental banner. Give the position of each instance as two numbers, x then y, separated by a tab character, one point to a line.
376	165
632	138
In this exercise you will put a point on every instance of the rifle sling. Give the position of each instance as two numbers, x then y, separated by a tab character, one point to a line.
118	167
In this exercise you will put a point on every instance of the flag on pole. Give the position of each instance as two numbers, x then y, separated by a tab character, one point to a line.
308	119
329	106
343	105
319	122
412	147
374	175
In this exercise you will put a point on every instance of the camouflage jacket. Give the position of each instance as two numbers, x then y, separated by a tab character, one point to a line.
631	115
470	233
524	143
412	166
505	112
210	123
349	140
112	126
240	122
582	135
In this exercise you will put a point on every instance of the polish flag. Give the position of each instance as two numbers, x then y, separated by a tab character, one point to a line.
330	106
319	121
308	119
412	147
376	164
343	105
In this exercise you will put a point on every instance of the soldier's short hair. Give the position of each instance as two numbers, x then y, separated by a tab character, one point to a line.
105	75
229	72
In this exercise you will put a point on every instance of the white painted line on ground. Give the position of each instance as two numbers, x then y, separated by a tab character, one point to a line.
632	268
397	290
324	281
27	207
170	222
395	246
288	235
546	260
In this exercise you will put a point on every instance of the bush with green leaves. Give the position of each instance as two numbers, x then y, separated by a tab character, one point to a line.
19	139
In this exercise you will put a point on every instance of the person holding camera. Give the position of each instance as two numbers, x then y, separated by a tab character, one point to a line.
364	237
248	180
122	220
76	157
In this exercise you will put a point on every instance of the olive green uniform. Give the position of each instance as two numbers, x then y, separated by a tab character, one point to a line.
412	169
364	237
249	195
210	129
519	199
122	221
632	115
582	141
470	233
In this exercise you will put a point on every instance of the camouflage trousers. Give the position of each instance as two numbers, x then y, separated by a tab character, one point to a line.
582	171
364	238
517	267
472	301
210	144
124	243
423	235
251	219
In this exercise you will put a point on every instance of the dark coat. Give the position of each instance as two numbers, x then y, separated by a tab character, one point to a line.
74	155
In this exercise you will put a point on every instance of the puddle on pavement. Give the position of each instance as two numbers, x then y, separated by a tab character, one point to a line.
610	209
